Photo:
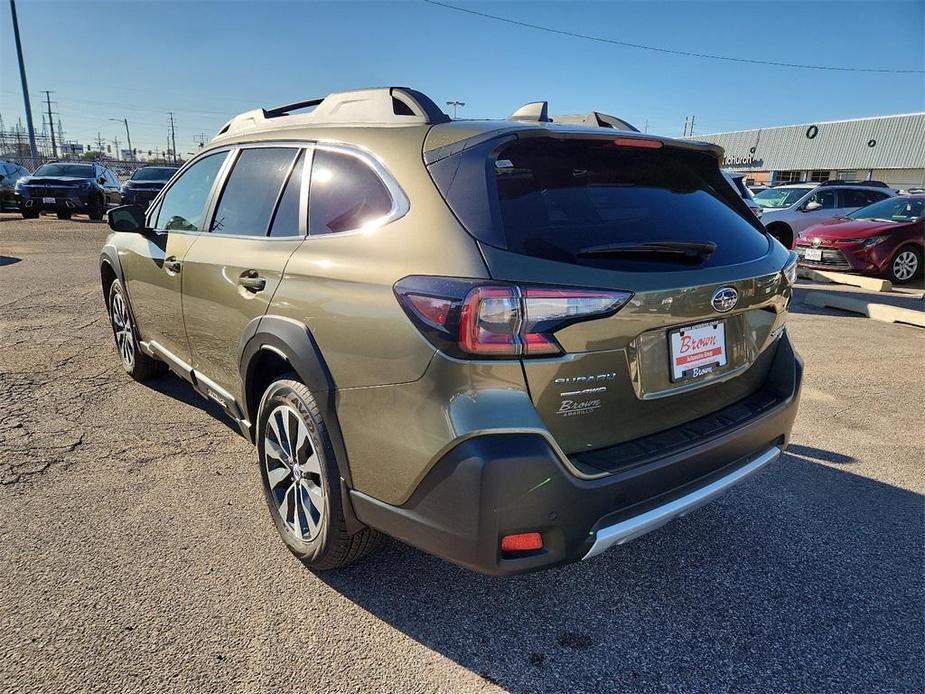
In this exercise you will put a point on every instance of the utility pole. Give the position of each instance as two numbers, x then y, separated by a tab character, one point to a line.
455	105
51	125
647	125
691	133
173	137
25	86
201	140
128	135
99	143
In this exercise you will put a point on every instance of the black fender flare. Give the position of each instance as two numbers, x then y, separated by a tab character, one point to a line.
109	256
294	342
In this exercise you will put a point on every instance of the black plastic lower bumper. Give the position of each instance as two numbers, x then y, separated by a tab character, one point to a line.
500	484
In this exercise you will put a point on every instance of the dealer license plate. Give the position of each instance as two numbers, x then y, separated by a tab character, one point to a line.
48	201
814	254
697	350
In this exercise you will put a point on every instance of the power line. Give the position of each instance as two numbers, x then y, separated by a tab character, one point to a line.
670	51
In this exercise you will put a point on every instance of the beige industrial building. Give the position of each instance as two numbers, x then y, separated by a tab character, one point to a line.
886	148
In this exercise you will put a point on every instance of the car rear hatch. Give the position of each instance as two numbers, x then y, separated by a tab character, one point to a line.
631	216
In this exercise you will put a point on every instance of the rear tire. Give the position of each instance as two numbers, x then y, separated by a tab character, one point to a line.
95	209
906	265
301	479
63	214
136	363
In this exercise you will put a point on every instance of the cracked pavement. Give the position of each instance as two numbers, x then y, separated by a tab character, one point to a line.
136	553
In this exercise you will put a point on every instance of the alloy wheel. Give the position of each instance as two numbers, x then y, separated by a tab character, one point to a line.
905	265
293	473
122	326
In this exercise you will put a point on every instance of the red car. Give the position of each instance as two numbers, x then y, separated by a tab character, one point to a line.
885	238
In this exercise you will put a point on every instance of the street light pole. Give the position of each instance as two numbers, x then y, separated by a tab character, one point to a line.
455	105
128	136
25	87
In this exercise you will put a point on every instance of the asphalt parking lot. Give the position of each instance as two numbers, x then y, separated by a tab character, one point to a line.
136	553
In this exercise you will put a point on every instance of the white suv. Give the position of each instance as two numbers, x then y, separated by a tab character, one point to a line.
790	209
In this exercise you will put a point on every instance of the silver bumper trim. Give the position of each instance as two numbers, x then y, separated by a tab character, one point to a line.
646	522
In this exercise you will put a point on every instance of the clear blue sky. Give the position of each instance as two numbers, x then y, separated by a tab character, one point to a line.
208	61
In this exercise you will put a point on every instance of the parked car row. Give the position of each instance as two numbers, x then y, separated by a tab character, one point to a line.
68	188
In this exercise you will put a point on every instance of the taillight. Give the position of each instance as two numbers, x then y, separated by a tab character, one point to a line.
472	318
638	142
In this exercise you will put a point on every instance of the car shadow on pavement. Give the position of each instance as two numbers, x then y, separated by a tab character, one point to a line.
806	578
181	391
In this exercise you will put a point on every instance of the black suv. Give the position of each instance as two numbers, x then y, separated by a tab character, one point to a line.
145	183
66	188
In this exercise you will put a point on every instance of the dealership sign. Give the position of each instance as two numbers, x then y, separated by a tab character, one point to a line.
748	160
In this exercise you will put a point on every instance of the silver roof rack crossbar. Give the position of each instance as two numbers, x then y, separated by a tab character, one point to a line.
379	106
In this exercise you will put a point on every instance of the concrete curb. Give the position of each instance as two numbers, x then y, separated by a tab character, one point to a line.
871	283
880	312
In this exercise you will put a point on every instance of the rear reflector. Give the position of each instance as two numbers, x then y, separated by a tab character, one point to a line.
637	142
524	542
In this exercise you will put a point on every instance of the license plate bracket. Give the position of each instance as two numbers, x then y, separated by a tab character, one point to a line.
696	351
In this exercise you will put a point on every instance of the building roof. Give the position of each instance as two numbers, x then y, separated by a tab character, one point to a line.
883	142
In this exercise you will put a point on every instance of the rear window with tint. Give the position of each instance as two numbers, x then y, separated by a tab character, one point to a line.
557	197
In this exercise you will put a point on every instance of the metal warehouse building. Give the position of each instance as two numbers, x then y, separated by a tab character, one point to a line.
886	148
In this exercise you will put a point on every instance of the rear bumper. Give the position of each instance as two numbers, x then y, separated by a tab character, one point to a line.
500	484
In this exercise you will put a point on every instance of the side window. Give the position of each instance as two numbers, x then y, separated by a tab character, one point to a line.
286	219
251	192
345	194
826	198
182	205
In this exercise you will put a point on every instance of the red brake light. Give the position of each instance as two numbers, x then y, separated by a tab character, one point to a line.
637	142
465	318
524	542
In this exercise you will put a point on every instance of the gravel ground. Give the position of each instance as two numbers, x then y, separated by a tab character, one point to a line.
136	553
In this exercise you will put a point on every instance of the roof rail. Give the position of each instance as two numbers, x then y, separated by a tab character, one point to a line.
839	182
379	106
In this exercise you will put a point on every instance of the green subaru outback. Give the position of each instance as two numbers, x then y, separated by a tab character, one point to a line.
509	343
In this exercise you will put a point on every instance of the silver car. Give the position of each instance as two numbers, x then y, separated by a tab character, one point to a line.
790	209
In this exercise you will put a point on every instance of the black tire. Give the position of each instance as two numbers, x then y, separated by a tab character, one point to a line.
95	209
29	214
136	363
782	233
906	265
63	214
320	543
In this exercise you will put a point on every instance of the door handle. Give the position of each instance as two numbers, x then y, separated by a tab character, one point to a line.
252	282
171	264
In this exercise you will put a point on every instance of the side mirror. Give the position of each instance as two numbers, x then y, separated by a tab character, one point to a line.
130	218
812	206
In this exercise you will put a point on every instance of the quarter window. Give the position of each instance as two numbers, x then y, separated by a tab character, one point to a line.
252	190
346	194
183	204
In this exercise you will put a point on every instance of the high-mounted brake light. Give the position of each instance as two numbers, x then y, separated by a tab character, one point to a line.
637	142
465	318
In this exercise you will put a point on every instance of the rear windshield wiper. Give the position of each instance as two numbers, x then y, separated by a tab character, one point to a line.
685	251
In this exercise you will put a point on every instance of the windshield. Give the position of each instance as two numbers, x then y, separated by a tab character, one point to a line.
67	170
154	173
776	198
893	210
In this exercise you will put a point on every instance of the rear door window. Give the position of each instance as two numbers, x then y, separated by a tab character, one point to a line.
557	198
252	190
826	198
346	194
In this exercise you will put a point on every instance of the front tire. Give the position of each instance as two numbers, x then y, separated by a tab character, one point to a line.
301	479
136	363
29	214
906	265
95	209
63	214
